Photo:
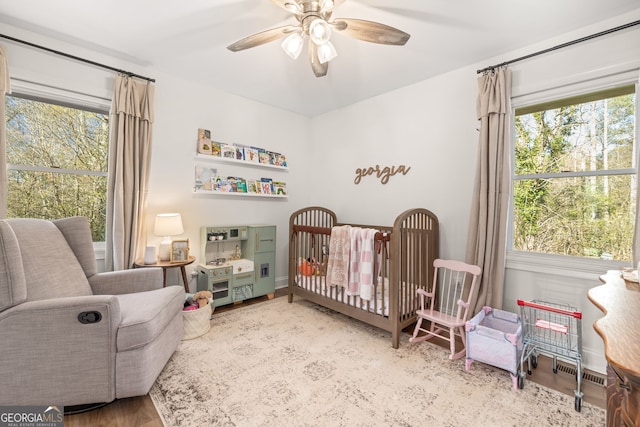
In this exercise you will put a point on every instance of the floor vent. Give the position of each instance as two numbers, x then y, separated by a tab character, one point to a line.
586	376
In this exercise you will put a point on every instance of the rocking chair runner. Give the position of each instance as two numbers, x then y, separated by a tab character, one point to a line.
448	312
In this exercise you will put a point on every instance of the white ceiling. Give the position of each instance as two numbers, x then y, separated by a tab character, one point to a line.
188	38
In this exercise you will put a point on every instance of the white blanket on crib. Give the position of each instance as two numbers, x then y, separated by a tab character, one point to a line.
338	262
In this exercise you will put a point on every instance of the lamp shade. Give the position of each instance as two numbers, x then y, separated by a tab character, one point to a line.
326	52
168	224
319	31
293	45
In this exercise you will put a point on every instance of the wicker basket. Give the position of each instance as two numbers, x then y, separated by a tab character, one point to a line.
196	322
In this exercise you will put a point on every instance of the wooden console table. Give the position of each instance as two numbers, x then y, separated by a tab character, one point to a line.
619	300
167	264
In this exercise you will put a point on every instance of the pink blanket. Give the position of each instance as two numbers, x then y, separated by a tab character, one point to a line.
361	274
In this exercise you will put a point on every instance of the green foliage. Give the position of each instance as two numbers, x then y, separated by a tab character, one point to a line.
43	138
567	210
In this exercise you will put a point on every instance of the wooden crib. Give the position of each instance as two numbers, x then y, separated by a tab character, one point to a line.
406	252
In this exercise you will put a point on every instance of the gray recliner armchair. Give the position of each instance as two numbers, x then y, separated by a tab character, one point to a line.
70	335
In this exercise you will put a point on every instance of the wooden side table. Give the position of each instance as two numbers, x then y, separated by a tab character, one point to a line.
167	264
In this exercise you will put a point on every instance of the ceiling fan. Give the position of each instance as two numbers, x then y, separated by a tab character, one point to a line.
315	24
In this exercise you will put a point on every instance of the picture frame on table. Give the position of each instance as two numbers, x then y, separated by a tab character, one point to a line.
179	250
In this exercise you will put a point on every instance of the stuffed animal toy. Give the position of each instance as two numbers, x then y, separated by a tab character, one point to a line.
202	298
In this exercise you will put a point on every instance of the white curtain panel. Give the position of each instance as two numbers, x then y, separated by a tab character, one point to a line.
4	89
486	244
129	162
636	231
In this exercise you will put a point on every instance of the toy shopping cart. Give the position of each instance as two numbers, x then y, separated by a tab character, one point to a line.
555	330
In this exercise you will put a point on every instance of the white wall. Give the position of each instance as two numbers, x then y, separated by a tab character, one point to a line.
429	126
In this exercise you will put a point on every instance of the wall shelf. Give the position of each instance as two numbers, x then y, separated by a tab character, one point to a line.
217	159
236	194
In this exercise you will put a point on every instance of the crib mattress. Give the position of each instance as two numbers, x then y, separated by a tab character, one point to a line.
378	305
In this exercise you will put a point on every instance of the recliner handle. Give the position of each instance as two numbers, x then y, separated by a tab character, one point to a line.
89	317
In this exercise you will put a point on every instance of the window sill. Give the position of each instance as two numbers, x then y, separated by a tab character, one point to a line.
561	265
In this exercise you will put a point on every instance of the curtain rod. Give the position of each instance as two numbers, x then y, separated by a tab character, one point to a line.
560	46
77	58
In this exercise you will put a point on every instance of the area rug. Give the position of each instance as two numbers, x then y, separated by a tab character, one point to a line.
297	364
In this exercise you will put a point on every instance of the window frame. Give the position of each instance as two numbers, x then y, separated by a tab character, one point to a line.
67	98
566	265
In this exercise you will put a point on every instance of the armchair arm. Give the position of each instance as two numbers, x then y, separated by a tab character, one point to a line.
48	355
126	281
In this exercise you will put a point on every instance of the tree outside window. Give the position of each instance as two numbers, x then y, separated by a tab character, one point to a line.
57	161
574	189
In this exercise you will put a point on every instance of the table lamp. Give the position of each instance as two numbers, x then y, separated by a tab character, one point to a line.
167	225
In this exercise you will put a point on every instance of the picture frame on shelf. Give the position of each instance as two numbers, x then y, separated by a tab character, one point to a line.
179	250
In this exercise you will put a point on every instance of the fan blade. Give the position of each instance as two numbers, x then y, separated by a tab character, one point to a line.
320	70
262	37
369	31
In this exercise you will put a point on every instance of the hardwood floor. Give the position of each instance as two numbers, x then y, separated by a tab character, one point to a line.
140	411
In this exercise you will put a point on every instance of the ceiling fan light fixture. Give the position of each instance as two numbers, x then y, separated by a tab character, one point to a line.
319	31
326	52
293	44
326	5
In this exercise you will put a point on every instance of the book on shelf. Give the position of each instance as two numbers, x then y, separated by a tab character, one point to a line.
263	157
281	160
204	134
216	148
204	141
228	151
222	185
239	153
251	154
279	188
273	158
204	178
204	146
266	185
251	186
238	185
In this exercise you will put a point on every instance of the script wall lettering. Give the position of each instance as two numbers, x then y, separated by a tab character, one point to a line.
382	173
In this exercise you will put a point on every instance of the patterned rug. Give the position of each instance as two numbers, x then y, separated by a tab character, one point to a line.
281	364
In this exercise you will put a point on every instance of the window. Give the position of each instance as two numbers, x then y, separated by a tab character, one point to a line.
574	187
57	161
